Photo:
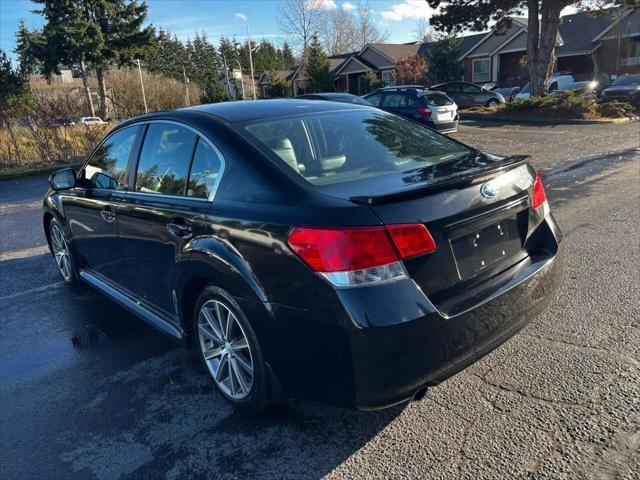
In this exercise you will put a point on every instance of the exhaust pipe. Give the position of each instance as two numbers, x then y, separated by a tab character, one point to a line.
419	395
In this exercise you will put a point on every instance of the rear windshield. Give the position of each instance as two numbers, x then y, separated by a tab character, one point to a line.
438	99
336	147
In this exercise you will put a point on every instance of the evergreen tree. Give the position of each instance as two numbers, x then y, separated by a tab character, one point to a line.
90	34
15	93
166	55
319	77
442	60
288	59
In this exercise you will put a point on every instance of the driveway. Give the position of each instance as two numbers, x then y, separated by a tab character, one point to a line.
89	391
549	145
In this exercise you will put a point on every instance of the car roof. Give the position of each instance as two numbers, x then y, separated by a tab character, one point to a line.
242	111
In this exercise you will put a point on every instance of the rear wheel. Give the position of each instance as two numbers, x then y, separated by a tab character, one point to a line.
229	350
61	253
492	103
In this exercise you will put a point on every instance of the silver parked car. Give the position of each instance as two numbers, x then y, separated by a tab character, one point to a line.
467	94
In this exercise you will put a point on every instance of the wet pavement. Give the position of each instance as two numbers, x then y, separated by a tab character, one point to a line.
89	391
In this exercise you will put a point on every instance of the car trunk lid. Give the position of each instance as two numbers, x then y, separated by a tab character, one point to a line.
479	221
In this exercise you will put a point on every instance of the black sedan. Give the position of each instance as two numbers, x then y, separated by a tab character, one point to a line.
625	88
331	252
335	97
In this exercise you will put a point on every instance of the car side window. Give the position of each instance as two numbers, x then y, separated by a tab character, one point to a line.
374	99
468	88
407	101
164	160
454	88
107	167
392	100
205	171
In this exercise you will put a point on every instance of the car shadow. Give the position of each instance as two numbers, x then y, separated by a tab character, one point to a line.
104	395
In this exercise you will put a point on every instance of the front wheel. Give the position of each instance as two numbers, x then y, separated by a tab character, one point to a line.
492	103
228	348
61	253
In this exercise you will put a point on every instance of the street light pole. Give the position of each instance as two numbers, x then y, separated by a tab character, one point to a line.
253	80
144	97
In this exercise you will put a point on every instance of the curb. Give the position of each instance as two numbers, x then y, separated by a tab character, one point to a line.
534	121
34	172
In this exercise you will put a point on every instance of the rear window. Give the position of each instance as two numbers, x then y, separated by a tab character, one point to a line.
330	148
437	99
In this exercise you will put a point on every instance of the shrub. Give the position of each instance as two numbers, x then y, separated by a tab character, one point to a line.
616	109
563	104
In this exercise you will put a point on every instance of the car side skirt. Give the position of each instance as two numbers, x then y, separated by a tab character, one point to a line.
134	306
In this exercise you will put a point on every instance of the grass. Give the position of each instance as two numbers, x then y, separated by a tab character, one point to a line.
36	148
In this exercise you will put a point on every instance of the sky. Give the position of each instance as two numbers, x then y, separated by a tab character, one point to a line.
230	18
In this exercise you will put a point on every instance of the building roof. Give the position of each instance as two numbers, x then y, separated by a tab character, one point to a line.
396	51
578	30
265	77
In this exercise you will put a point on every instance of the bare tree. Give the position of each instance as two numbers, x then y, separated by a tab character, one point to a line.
340	33
367	31
301	20
422	31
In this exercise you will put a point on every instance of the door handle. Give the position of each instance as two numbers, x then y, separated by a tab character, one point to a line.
178	227
107	214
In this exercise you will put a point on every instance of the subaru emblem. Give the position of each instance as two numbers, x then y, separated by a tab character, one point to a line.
489	190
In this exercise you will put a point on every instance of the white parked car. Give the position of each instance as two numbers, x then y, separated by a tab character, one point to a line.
91	121
556	83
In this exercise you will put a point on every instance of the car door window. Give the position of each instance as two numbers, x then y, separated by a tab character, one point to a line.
374	99
392	100
452	88
407	101
205	171
468	88
164	160
108	165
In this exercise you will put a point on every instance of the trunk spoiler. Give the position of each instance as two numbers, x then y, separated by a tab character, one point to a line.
463	179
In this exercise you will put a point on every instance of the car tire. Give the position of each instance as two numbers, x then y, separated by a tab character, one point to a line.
493	103
228	349
62	254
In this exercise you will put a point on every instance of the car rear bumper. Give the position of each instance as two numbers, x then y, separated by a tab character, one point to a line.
374	347
392	364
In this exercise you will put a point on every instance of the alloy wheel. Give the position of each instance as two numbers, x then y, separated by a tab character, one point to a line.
225	349
61	252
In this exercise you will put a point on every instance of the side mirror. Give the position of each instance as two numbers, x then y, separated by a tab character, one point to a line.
63	179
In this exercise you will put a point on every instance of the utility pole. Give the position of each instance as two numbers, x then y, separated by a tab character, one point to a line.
244	97
144	97
253	80
186	87
226	74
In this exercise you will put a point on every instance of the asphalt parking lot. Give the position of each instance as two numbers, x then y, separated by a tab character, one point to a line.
89	391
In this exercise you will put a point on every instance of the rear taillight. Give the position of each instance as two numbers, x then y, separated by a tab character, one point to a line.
539	195
350	257
424	111
412	239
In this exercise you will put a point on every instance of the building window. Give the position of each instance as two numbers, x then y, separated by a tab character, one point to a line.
389	78
481	70
632	54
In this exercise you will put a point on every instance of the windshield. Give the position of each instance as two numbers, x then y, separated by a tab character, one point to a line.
438	99
336	147
627	81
